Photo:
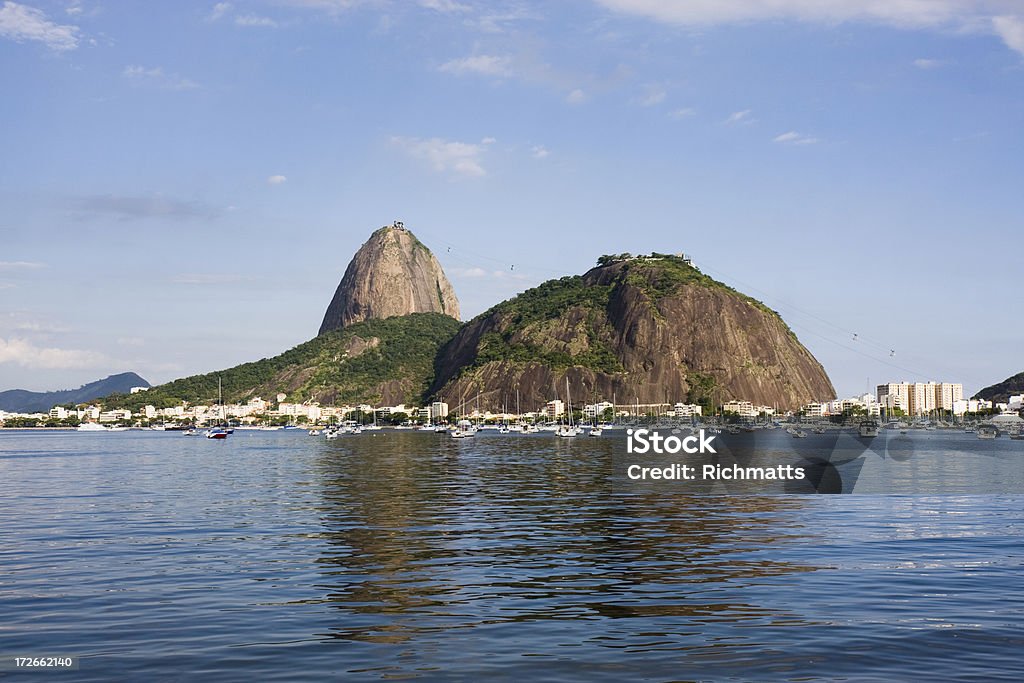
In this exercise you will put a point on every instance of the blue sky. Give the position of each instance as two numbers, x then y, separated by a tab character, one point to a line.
183	184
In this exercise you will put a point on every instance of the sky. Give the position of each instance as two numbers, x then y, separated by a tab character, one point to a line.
182	184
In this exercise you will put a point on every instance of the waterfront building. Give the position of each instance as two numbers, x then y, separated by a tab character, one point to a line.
595	409
553	409
687	410
741	408
920	398
438	410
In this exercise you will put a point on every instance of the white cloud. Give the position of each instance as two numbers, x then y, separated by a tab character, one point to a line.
1002	17
74	8
219	10
680	114
927	63
477	273
20	265
43	328
254	20
1011	30
794	138
484	65
539	152
26	354
277	180
739	117
468	272
140	75
488	141
461	158
444	6
653	94
131	341
577	96
21	23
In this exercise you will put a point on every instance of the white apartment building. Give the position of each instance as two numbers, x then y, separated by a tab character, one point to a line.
742	408
596	409
438	410
919	398
553	409
687	410
815	410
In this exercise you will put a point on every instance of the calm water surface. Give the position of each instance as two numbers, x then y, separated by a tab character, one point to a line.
279	556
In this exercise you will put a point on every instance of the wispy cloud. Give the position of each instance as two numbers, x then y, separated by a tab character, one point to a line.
927	63
445	6
1011	30
539	152
26	354
652	95
155	77
1000	17
484	65
21	23
794	138
446	156
255	21
739	118
131	341
576	96
132	208
277	180
683	113
7	266
219	11
477	273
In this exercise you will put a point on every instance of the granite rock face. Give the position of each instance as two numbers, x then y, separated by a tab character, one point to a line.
392	274
652	330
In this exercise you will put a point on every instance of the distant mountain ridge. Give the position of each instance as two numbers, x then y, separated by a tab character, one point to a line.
22	401
1001	392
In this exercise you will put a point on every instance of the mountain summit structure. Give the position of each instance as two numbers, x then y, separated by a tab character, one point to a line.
392	274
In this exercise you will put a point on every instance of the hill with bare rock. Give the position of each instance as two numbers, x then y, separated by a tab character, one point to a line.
648	329
392	274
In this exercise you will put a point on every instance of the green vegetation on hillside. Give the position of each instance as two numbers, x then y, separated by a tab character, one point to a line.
530	325
322	368
1001	392
564	323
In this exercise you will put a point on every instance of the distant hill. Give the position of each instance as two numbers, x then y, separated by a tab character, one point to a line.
1000	393
21	401
375	361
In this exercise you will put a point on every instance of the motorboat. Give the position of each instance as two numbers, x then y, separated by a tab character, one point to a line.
868	429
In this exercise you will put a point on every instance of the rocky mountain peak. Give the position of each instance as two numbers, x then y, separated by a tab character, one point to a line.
392	274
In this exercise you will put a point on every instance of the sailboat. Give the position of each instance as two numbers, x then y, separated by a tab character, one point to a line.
567	429
219	432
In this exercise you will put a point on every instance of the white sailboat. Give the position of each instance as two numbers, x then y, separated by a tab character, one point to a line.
567	429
